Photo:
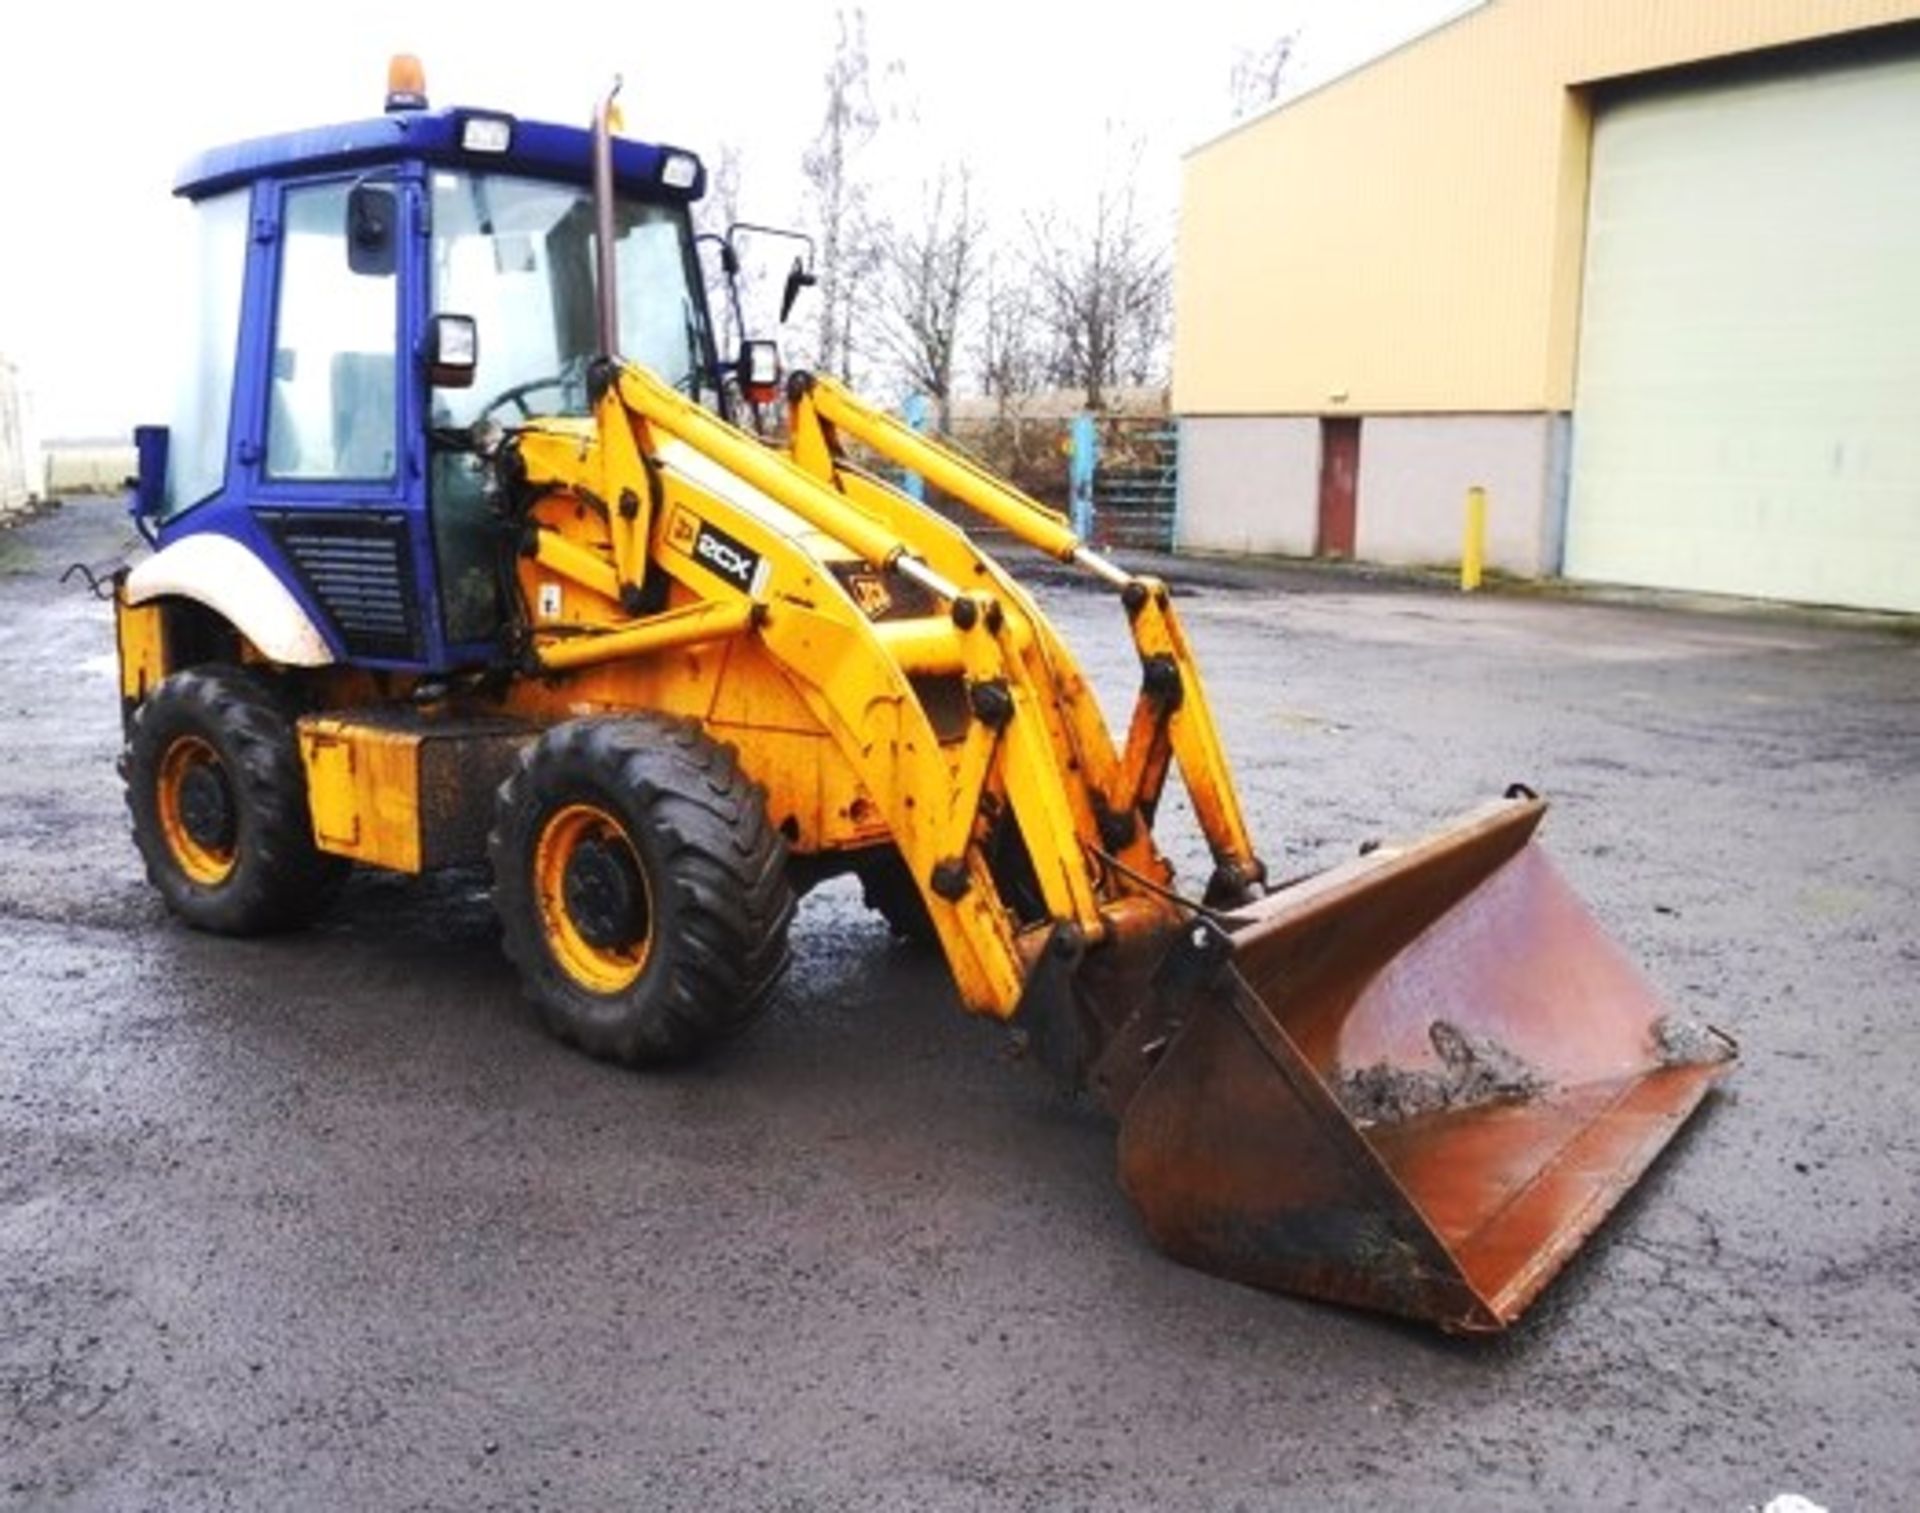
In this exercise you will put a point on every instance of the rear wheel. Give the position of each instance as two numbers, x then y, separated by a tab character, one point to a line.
642	892
218	797
888	888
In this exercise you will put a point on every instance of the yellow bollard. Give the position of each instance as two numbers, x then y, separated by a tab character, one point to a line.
1473	549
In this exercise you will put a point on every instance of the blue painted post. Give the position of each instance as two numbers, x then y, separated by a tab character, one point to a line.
1083	448
914	412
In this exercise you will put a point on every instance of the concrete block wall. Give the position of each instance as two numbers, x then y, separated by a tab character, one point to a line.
89	467
1415	471
1251	484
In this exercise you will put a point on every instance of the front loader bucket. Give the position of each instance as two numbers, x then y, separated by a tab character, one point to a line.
1415	1083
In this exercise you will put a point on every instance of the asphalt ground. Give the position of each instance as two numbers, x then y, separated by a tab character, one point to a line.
325	1221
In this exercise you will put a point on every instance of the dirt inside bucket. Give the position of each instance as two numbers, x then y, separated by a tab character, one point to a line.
1688	1042
1473	1069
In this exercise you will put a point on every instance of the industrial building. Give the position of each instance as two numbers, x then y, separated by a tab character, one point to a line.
1647	271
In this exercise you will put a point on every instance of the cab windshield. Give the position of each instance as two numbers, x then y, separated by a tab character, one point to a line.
517	255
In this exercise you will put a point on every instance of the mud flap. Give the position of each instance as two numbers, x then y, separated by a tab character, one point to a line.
1413	1083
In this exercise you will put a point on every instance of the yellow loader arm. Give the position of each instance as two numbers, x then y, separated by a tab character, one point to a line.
1171	718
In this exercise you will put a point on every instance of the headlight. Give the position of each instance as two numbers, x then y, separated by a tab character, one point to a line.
680	170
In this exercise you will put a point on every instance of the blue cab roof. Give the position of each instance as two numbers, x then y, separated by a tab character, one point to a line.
537	148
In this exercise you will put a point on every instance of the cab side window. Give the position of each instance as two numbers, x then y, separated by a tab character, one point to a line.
332	407
209	339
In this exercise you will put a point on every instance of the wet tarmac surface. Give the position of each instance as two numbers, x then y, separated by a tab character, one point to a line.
325	1221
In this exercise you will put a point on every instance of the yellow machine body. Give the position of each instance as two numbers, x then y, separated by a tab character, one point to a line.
403	790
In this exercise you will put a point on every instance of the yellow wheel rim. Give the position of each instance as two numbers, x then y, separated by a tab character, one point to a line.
191	762
591	890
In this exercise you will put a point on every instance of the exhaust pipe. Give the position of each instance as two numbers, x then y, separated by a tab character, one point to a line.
603	251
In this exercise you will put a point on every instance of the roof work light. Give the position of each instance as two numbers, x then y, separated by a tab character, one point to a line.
486	134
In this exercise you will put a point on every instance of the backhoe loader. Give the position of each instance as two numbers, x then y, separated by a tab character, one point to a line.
471	549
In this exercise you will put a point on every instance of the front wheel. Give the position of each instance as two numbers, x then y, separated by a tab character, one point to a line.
218	797
642	891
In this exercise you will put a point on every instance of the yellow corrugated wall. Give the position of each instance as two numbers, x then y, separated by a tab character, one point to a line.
1408	238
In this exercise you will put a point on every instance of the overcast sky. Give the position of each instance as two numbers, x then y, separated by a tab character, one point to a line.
101	103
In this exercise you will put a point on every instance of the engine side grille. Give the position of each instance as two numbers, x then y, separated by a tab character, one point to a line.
359	567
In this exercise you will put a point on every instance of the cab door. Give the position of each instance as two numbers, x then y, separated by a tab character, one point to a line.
335	460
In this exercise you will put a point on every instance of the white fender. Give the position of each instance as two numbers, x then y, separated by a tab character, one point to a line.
219	572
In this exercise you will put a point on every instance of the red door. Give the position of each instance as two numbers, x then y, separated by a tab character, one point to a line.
1339	484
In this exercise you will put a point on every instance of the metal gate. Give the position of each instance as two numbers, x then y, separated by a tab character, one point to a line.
1135	483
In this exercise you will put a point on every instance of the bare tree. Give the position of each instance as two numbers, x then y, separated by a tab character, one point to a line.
1010	360
839	193
1102	289
718	210
1259	74
929	277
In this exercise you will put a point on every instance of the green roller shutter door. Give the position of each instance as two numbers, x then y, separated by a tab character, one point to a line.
1747	404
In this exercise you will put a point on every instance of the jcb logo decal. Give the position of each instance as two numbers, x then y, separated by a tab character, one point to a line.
870	594
681	530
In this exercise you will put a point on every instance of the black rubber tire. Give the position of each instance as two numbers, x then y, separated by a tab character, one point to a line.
888	889
279	879
714	868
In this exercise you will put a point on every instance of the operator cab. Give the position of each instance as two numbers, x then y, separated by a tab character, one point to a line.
372	303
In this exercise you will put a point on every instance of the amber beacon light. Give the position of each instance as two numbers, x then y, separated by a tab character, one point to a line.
406	83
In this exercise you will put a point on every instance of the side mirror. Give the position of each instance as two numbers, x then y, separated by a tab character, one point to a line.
798	278
758	369
453	351
372	217
150	483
